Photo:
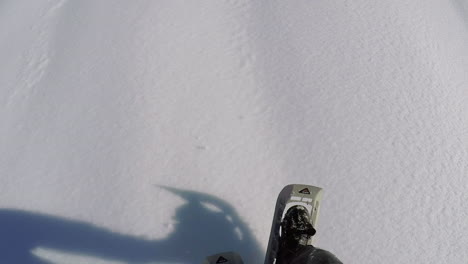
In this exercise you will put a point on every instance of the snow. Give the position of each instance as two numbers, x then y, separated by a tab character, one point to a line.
162	131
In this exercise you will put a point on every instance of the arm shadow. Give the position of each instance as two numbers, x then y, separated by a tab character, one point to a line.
206	225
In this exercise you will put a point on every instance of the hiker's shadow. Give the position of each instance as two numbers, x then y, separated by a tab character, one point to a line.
205	225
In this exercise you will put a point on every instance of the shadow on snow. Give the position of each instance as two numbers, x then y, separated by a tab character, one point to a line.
205	225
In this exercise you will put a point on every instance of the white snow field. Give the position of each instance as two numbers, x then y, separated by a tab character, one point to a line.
162	131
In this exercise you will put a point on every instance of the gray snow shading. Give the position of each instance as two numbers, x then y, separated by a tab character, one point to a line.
224	103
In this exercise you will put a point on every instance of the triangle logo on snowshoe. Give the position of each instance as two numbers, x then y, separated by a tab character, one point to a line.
221	259
305	191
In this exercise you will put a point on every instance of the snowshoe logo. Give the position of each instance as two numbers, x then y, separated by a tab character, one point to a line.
221	259
305	191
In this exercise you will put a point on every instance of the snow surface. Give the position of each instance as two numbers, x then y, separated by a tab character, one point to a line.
162	131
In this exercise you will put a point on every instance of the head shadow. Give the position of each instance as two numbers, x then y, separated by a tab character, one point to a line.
205	225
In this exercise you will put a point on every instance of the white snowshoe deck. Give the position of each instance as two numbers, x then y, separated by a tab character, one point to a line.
294	194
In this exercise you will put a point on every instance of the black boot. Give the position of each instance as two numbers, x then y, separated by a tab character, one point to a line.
296	231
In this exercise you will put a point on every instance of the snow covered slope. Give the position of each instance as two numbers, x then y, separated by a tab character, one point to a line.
161	131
